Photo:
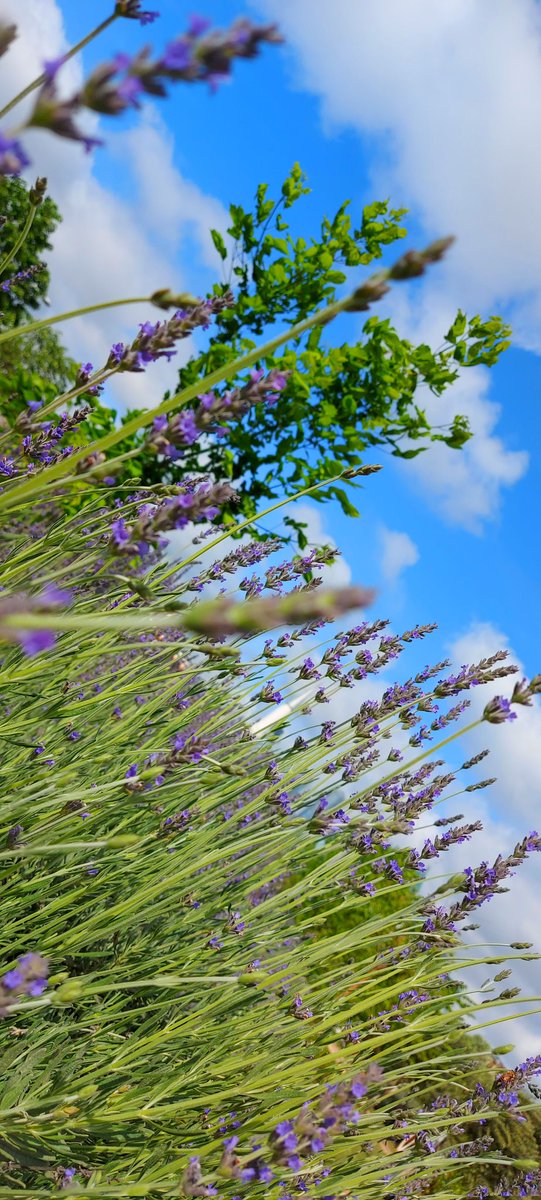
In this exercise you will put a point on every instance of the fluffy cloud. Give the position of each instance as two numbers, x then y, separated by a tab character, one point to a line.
453	91
465	486
456	90
107	246
175	207
508	810
398	551
514	746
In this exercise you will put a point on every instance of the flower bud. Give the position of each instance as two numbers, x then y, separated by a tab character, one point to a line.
165	298
8	33
36	194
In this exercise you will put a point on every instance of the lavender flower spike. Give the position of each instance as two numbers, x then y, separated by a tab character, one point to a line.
36	639
219	618
498	710
190	505
50	112
158	340
201	55
13	158
132	9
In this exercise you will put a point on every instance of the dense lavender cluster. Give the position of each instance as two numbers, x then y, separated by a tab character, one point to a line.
294	1141
480	884
247	555
9	285
198	502
41	442
171	436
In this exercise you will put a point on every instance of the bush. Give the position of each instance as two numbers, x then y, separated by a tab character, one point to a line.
220	971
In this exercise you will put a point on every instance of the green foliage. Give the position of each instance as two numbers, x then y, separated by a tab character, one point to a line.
341	399
183	913
41	358
26	295
40	354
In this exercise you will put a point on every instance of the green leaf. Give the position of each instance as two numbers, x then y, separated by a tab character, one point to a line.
219	243
457	328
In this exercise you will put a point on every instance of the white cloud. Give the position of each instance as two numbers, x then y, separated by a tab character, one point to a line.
398	551
453	90
456	89
108	247
466	485
176	206
515	757
508	810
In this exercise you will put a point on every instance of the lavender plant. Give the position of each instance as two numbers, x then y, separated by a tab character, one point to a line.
223	972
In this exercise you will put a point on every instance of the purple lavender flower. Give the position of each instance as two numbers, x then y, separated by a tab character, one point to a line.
293	1141
36	987
50	112
34	641
498	710
283	1128
215	412
177	58
19	277
202	55
158	340
13	158
270	695
132	9
28	978
198	25
191	1180
13	979
52	66
120	533
83	375
187	426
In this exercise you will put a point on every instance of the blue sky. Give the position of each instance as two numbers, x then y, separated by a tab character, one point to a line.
253	130
437	108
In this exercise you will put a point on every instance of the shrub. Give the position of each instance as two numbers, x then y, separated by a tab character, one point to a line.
220	971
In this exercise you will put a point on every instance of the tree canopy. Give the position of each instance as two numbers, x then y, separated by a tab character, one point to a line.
342	399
